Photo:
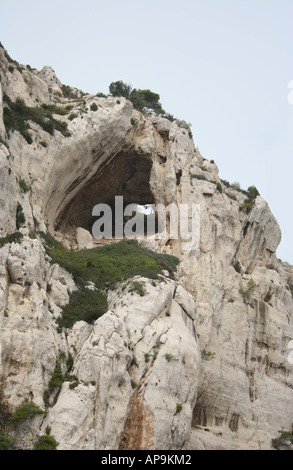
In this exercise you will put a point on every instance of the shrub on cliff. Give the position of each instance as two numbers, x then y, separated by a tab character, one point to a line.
285	439
5	442
143	100
16	116
46	442
120	88
27	410
19	217
84	304
104	267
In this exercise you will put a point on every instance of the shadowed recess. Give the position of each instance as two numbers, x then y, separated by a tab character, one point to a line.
127	175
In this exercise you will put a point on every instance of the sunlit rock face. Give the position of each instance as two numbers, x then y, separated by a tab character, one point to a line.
198	362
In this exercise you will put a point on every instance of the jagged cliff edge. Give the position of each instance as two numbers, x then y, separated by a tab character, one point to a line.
143	380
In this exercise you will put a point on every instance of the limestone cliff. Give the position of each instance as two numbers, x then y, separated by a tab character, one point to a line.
200	361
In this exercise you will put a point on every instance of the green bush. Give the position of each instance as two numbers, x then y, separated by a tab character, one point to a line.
169	116
237	266
285	437
84	304
15	237
27	410
20	218
251	286
247	206
105	267
207	355
108	265
68	92
16	116
94	107
143	100
134	362
133	384
226	183
168	357
23	186
120	88
138	287
53	109
146	100
73	385
57	378
198	177
14	120
252	192
69	362
101	95
5	442
46	442
178	408
72	116
236	186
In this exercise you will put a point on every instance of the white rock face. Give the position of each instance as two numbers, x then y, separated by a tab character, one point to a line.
2	127
125	378
9	192
84	239
47	75
200	362
137	363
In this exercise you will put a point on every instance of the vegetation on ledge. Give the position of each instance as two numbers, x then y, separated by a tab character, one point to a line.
15	237
104	267
5	442
27	410
16	116
145	101
46	442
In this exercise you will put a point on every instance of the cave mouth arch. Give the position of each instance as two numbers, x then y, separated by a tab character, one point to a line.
127	174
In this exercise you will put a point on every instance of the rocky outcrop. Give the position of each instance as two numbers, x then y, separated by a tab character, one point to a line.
200	362
135	368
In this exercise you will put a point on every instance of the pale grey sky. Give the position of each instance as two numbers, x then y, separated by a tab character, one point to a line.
222	65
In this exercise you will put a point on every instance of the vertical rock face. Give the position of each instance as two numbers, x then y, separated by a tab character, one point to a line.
245	387
128	391
2	127
136	364
9	192
200	362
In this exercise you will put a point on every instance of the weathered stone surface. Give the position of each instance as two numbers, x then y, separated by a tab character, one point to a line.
47	75
2	127
84	239
8	193
139	379
133	368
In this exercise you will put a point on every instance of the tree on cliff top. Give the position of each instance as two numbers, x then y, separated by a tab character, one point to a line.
120	89
143	100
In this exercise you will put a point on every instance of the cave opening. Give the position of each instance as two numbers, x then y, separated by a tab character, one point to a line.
126	175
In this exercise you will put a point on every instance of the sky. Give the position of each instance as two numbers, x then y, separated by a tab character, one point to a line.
225	66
